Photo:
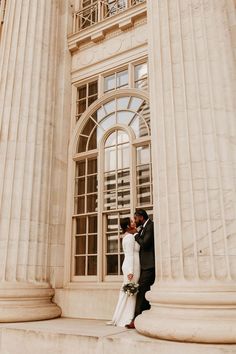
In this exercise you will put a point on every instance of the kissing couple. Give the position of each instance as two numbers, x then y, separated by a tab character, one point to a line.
138	267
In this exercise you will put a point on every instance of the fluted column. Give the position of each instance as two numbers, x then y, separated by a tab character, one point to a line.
194	127
27	71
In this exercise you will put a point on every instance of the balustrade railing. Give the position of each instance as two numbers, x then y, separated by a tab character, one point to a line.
100	10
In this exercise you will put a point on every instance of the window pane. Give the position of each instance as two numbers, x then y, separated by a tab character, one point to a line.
80	186
92	244
121	261
88	127
143	174
141	84
110	200
124	117
81	225
135	103
92	265
112	243
92	202
123	156
122	137
82	92
110	107
92	184
110	159
139	127
93	140
110	181
112	223
92	223
80	245
82	143
91	100
79	205
143	155
80	168
100	114
93	88
82	106
144	195
145	112
112	265
92	166
122	78
123	199
111	140
109	83
123	179
80	265
108	122
140	71
122	103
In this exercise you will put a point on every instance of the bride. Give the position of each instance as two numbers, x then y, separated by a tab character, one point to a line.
124	312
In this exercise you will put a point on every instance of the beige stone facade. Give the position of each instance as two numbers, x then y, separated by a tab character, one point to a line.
74	75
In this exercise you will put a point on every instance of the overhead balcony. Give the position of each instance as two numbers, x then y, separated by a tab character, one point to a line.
93	22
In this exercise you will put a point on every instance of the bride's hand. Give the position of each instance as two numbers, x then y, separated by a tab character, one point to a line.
130	276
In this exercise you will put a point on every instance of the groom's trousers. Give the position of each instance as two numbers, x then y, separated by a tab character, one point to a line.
147	278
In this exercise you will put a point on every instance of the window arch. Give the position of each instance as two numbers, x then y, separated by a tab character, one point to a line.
112	178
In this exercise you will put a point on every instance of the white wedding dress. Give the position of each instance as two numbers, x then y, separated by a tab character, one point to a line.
124	312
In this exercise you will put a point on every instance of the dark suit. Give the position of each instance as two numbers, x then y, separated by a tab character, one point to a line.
145	239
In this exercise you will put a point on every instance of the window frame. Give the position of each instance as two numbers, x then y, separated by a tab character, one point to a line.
101	276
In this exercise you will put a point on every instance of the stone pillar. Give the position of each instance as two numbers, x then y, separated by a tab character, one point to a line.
194	125
27	71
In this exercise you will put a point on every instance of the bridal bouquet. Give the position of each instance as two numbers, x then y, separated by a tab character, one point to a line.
130	288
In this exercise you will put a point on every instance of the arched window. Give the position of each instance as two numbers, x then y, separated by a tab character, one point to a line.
112	178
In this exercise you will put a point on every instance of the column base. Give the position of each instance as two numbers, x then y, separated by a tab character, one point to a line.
27	302
199	315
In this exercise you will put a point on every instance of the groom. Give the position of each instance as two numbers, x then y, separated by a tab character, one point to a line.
145	238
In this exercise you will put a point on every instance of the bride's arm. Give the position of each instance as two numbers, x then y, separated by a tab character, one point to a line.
129	255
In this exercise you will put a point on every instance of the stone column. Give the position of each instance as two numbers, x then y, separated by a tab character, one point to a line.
192	86
27	71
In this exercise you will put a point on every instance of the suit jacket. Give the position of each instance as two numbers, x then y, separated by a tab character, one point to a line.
146	241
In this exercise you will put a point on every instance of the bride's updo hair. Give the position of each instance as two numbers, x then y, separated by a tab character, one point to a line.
124	224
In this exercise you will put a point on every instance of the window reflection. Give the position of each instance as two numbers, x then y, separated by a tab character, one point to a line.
108	122
125	117
135	103
111	140
122	103
143	155
110	159
141	76
139	127
110	107
116	81
123	156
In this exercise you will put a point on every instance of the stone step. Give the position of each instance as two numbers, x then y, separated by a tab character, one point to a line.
82	336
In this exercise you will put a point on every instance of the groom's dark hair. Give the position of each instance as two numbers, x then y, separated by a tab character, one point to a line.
141	212
124	223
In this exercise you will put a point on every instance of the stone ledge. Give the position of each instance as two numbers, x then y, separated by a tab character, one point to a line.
70	336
